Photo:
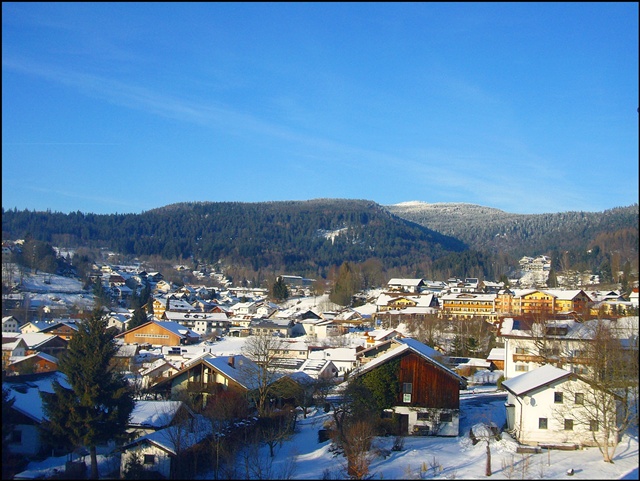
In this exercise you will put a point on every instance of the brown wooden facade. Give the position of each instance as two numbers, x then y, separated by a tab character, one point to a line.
35	364
431	386
151	333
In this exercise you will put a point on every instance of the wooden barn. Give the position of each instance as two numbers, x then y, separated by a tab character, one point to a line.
428	397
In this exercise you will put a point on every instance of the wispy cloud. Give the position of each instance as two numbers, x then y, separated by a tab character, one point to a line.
76	194
445	169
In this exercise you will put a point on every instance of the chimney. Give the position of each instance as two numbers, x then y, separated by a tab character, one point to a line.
231	361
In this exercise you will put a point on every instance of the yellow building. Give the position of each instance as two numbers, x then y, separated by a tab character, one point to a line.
468	305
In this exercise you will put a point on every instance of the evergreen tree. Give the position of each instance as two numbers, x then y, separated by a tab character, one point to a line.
279	290
347	284
7	425
100	294
97	407
139	317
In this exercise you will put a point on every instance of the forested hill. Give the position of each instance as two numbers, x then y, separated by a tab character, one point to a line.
492	230
305	237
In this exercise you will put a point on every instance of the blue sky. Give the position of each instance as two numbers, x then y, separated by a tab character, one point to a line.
125	107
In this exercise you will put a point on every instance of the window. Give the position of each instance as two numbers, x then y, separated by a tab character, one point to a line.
579	398
542	423
568	424
423	416
149	459
522	367
16	437
594	425
557	398
521	350
579	369
407	387
446	417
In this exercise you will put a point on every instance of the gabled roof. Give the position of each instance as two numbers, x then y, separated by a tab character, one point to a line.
158	363
623	328
496	354
15	344
34	340
26	392
167	438
244	371
535	379
69	323
405	282
41	355
565	295
171	326
39	325
154	414
408	345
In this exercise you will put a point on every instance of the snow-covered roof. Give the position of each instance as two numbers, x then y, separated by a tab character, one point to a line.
565	294
421	300
404	282
535	379
26	392
405	345
42	355
154	414
623	327
177	328
496	354
169	437
335	354
35	339
244	371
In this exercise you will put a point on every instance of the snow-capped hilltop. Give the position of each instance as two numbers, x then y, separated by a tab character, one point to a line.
458	208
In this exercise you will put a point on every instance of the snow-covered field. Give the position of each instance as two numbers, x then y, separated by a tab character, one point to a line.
303	457
51	290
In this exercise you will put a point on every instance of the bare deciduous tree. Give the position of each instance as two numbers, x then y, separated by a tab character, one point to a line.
603	399
262	348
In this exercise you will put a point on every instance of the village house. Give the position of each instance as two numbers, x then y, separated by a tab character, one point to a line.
320	329
549	406
154	371
204	323
375	337
496	359
161	451
388	301
32	363
428	398
344	358
149	416
290	349
12	347
529	344
405	285
319	369
118	321
160	333
27	413
208	374
10	324
279	327
33	326
65	329
43	342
